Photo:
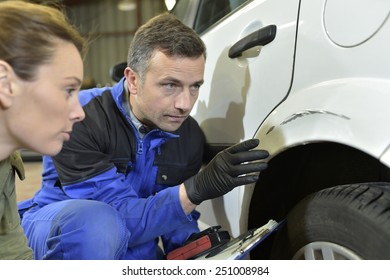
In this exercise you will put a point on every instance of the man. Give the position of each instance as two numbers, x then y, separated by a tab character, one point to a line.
129	174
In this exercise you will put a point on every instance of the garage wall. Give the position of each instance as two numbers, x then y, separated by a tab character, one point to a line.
111	32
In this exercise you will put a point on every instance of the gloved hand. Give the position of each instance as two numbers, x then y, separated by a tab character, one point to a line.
228	169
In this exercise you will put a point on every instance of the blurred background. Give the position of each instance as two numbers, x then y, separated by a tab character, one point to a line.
111	25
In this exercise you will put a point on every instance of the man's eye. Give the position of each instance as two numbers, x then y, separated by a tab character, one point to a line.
170	86
196	87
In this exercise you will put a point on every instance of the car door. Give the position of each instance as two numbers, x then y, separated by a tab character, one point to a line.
240	92
242	89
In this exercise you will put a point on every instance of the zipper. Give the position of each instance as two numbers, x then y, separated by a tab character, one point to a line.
140	147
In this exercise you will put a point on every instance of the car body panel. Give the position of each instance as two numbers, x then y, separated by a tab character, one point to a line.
232	96
323	79
318	113
366	16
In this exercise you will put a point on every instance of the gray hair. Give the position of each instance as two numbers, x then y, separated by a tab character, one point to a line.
165	33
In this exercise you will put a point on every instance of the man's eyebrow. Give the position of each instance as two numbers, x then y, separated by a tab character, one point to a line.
174	80
171	79
200	82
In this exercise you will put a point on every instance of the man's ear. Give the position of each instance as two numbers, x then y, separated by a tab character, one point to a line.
132	80
6	94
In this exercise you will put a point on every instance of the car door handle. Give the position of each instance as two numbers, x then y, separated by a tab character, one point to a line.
261	37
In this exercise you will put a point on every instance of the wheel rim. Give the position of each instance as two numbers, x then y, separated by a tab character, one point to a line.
325	251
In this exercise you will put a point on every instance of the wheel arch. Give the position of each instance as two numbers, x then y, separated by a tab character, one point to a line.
305	169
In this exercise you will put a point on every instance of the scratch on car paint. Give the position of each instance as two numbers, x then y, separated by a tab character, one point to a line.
306	113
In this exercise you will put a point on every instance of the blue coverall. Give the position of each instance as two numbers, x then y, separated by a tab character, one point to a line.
110	193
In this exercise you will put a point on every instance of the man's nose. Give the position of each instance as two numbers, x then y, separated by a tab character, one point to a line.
184	100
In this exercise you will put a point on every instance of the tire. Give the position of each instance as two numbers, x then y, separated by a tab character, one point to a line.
343	222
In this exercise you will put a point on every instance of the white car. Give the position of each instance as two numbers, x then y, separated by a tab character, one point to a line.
311	80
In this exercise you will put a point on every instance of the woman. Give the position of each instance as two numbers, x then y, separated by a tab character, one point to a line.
41	71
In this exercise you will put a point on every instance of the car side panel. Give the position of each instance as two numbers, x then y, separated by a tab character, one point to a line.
238	93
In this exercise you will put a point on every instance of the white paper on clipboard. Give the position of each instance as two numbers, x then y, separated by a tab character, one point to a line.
238	248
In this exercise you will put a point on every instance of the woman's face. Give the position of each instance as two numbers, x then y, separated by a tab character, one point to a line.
44	110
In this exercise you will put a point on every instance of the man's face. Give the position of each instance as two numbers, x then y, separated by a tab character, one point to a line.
170	89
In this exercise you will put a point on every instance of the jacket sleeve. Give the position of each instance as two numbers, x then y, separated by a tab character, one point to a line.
176	238
146	218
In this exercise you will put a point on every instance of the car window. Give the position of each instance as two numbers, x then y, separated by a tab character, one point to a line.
201	14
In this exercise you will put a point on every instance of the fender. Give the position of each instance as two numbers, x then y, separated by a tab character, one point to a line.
340	111
352	112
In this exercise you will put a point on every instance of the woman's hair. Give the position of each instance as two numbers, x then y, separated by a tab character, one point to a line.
167	34
29	35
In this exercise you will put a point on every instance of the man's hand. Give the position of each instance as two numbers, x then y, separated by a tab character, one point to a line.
230	168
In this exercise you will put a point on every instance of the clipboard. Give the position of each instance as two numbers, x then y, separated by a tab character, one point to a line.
238	248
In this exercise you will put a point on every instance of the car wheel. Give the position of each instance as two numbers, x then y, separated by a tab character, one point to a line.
343	222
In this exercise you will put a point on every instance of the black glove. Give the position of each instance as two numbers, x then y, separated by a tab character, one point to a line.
228	169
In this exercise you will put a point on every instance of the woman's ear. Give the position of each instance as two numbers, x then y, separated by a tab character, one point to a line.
6	96
132	80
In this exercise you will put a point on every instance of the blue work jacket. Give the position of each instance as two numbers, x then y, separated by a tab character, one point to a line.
106	160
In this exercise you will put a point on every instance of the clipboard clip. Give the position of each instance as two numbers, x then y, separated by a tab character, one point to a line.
240	239
256	233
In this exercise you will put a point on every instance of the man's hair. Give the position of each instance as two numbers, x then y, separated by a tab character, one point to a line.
30	33
165	33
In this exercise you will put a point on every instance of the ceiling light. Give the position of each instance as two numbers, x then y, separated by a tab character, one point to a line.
170	4
127	5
